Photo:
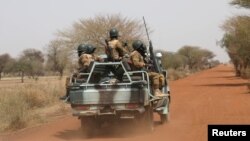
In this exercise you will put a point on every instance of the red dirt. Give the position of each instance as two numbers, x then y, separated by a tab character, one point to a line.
213	96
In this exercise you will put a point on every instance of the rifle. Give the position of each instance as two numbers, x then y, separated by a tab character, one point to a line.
155	63
108	50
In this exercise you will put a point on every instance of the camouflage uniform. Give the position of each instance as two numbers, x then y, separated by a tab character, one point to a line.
157	79
115	50
85	60
86	56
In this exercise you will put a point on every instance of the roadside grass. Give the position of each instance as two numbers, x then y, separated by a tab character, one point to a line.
14	112
20	103
176	74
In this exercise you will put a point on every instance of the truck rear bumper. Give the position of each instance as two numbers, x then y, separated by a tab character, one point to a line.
114	112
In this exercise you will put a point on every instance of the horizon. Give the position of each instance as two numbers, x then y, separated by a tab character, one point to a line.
28	24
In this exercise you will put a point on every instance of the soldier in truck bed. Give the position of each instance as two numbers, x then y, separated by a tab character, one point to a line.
114	49
86	56
137	58
115	52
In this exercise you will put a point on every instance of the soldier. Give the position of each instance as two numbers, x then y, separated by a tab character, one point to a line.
86	56
137	58
115	52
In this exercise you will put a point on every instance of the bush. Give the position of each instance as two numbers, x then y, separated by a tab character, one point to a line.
20	102
35	98
14	112
175	74
246	73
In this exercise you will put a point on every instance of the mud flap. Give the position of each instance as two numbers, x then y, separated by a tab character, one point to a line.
162	108
162	105
161	102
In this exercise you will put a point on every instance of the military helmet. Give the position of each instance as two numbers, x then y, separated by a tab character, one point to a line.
85	48
138	45
113	33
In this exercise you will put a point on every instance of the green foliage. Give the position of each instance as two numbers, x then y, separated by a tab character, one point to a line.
4	59
196	58
187	59
173	60
241	3
236	40
31	62
214	63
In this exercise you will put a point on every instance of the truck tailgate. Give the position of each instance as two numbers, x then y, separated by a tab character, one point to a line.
108	96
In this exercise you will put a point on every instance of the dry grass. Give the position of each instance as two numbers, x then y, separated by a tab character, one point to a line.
19	102
176	74
13	111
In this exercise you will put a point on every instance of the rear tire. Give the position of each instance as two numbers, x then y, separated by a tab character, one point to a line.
89	126
148	120
164	118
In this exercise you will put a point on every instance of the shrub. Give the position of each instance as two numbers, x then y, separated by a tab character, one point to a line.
175	74
14	112
246	73
20	103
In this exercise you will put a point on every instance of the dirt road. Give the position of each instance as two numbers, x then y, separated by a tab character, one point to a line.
213	96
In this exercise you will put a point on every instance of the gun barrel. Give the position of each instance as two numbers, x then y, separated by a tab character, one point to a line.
144	21
151	51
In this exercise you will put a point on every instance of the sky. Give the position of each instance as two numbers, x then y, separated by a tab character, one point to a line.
175	23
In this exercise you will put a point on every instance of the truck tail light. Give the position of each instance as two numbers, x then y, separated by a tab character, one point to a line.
132	106
82	107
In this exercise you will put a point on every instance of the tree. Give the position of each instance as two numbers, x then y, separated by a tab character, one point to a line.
58	56
173	60
95	31
236	41
30	63
191	54
4	59
241	3
206	58
196	57
214	63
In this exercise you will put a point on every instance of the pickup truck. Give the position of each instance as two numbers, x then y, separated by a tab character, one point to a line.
95	99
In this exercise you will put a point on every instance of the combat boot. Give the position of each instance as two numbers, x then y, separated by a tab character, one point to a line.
158	93
66	96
